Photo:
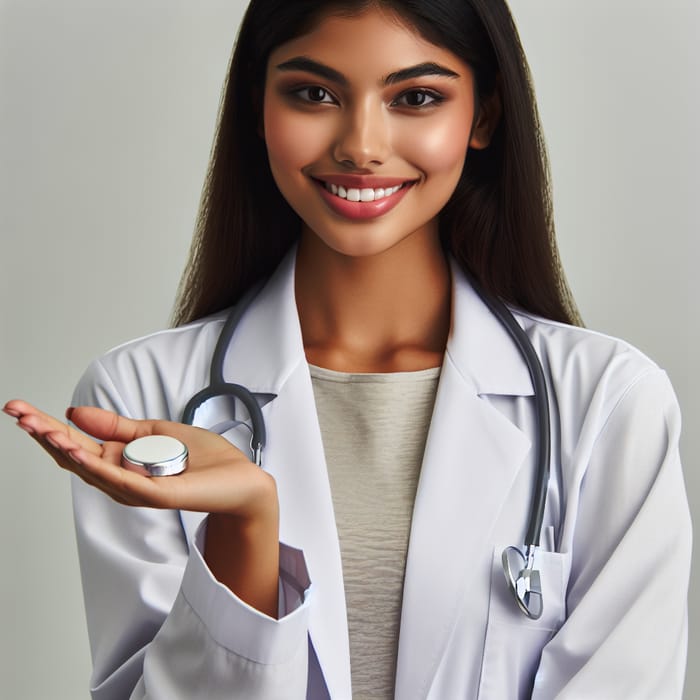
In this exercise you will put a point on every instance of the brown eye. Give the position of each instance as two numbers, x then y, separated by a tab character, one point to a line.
417	99
315	93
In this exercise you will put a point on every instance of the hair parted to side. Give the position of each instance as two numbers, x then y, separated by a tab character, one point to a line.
499	222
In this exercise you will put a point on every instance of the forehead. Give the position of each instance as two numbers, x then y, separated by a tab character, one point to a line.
371	43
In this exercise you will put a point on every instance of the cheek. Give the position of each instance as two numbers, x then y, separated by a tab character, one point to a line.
441	148
289	139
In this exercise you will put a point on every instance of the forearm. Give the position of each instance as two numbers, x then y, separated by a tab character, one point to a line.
143	576
243	554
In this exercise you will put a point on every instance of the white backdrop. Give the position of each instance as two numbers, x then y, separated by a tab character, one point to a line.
106	116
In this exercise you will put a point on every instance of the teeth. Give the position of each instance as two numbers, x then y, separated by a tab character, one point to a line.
367	194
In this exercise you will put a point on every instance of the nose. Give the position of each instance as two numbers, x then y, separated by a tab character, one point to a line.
363	138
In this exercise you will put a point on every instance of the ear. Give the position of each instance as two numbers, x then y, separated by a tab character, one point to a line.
487	119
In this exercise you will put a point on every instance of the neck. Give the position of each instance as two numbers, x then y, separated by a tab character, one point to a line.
388	312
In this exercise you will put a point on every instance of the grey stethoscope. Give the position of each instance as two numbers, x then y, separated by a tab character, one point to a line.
518	562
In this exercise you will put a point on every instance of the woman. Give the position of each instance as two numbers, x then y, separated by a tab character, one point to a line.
370	154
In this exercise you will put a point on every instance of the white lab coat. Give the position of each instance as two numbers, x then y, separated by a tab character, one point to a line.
616	537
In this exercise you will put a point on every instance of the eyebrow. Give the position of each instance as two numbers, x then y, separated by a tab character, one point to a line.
420	70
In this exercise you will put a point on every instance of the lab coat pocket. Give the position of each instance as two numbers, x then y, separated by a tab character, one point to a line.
513	642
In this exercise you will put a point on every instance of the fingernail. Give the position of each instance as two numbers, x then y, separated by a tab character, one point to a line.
74	456
11	412
27	429
69	412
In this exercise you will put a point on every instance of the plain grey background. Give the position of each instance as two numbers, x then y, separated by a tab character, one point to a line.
107	112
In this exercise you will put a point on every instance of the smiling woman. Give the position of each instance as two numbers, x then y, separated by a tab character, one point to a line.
378	182
365	105
506	182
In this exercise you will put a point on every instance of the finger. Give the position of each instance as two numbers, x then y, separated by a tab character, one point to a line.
39	424
8	408
106	425
100	485
109	451
58	440
111	427
51	446
62	441
124	485
17	408
61	448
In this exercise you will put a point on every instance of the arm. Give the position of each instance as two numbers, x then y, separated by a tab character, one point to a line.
241	542
629	533
133	560
243	554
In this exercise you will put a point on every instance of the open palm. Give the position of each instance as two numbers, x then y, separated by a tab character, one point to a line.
219	477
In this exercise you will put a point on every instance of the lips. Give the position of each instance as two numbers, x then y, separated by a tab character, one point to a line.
361	197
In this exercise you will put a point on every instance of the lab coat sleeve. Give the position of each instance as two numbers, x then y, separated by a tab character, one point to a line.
160	625
626	629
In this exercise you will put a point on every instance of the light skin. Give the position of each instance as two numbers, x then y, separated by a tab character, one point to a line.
365	103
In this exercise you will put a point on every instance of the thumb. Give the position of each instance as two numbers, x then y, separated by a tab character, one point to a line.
108	426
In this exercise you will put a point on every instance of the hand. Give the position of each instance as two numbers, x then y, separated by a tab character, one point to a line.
219	477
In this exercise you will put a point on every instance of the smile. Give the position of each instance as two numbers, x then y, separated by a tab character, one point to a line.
366	194
353	199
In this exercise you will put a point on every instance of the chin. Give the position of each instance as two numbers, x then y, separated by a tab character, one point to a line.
358	246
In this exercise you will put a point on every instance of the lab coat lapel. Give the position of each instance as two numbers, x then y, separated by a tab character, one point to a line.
471	458
267	356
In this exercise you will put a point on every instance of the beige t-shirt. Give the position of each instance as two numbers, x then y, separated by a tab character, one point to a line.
374	428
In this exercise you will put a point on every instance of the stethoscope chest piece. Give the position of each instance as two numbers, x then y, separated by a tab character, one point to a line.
156	455
523	580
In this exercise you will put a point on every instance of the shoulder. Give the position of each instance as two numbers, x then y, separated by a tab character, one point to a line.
577	362
595	376
571	351
167	348
148	376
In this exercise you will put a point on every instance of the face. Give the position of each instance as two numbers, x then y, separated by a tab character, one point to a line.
367	126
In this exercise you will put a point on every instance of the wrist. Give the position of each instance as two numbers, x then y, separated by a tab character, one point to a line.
242	550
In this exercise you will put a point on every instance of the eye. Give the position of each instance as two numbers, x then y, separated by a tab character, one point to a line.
315	93
418	99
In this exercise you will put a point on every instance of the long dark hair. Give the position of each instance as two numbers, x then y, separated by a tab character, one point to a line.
498	224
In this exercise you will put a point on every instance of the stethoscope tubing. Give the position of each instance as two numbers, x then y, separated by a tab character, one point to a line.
219	387
523	579
542	417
